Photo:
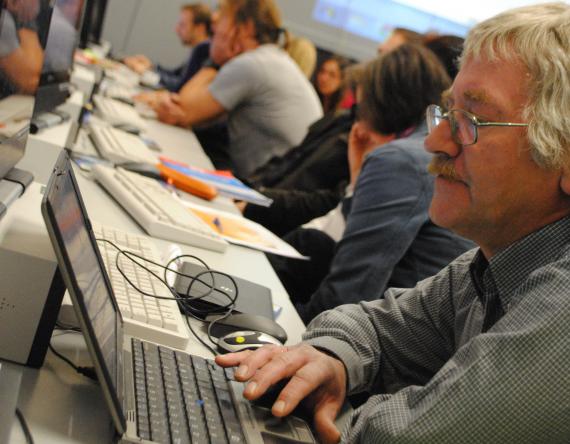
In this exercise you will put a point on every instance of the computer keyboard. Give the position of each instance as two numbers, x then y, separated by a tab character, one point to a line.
123	75
182	397
156	209
118	113
119	146
120	92
145	317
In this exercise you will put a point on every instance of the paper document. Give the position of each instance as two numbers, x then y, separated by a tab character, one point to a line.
241	231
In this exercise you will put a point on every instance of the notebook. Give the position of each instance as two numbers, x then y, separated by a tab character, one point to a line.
131	372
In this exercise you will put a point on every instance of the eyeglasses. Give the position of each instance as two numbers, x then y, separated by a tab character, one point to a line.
463	124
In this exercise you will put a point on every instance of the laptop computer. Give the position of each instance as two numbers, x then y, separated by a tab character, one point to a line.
154	394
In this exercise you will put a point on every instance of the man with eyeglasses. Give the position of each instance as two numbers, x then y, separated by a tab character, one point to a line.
480	352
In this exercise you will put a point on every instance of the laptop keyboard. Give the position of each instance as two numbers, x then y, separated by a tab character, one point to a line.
182	398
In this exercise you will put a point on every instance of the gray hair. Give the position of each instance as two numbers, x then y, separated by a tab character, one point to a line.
539	37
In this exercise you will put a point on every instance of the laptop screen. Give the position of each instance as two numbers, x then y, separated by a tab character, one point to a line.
82	269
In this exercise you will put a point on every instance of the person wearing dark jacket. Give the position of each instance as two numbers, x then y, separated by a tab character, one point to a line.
389	239
308	181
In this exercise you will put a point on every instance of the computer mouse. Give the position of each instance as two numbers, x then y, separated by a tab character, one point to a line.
146	169
245	340
245	321
132	129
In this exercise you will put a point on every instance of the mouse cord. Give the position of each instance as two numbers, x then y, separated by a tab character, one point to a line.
184	300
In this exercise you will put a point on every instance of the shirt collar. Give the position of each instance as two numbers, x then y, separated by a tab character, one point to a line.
512	266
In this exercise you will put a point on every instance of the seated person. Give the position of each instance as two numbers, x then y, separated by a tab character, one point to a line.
21	55
331	84
310	180
269	103
478	353
297	183
193	30
389	239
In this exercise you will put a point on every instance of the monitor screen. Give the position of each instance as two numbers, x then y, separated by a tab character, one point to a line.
81	266
92	22
62	39
21	58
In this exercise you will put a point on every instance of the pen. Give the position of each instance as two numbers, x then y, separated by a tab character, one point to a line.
218	223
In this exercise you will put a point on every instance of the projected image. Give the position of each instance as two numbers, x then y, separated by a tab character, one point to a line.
375	19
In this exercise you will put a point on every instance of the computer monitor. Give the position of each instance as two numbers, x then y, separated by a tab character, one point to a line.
93	19
20	68
62	39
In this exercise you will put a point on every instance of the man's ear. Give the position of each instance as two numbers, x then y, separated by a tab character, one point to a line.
565	180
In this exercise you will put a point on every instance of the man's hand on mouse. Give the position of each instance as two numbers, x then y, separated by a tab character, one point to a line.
314	375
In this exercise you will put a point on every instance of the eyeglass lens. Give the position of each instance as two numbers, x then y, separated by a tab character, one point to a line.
462	128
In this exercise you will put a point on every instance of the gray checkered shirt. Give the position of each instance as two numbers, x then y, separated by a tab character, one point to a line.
479	353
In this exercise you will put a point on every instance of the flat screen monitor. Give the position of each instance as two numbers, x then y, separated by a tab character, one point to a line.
21	57
92	22
62	39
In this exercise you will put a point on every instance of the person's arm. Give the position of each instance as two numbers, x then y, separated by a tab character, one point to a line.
171	79
388	208
195	104
292	208
507	385
138	63
23	66
375	341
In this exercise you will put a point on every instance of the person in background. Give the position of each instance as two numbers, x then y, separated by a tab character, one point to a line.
193	29
331	85
478	353
21	55
448	49
269	102
304	53
383	234
399	36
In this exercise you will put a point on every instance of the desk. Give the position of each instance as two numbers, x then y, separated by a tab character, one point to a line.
61	406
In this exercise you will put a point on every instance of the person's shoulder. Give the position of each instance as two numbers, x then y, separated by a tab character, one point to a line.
406	149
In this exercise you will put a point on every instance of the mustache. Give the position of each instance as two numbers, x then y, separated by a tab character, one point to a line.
441	165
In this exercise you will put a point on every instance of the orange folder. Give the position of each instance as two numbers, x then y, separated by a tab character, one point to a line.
187	183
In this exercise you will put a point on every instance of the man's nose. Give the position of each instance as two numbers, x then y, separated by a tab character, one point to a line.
440	140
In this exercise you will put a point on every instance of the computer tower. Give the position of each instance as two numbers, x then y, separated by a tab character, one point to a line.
31	287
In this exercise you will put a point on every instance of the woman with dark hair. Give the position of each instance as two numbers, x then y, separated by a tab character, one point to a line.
331	84
388	239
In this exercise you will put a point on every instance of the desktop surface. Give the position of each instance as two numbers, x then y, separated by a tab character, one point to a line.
62	406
